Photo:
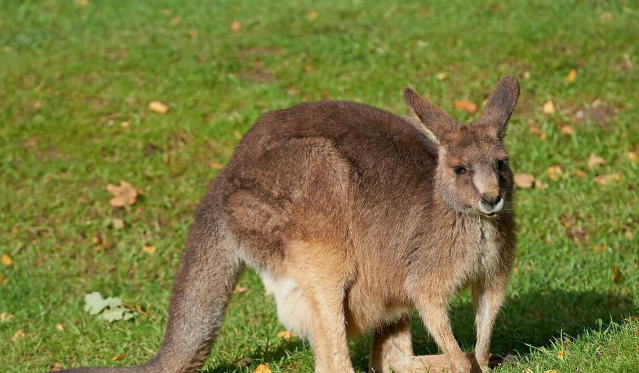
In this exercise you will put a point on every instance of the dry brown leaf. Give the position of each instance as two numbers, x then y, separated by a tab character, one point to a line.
81	3
595	160
629	234
633	157
125	124
123	195
551	371
577	235
6	317
540	185
567	130
526	75
18	334
240	289
312	15
6	260
117	357
285	335
149	249
236	26
56	367
549	107
217	166
607	178
117	223
572	76
262	369
441	76
244	362
467	106
176	21
158	107
617	276
59	328
524	181
554	172
580	174
3	280
237	134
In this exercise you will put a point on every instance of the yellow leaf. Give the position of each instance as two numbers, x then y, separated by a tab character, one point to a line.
312	15
551	371
217	166
6	317
554	172
6	260
286	335
117	357
158	107
3	280
634	158
549	107
606	17
237	134
59	328
567	130
540	185
81	3
562	354
605	179
18	334
262	369
526	75
240	289
149	249
236	26
572	76
442	76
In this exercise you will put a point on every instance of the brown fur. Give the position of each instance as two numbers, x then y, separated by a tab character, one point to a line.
352	217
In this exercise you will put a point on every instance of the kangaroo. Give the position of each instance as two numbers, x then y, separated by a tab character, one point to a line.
353	216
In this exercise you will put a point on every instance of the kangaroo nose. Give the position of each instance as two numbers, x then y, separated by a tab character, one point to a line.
490	200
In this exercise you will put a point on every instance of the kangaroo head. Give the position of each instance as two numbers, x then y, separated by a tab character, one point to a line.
473	175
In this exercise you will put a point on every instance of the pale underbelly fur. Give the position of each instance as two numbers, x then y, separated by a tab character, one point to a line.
294	313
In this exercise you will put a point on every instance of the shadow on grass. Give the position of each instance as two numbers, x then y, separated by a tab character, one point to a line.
531	319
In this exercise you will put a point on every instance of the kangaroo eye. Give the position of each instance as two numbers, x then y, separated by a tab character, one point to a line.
459	170
502	163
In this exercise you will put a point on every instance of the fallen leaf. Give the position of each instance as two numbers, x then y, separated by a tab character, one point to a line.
606	17
595	160
577	235
3	280
617	276
562	354
81	3
117	223
125	124
524	181
572	76
580	174
526	75
467	106
158	107
59	327
5	317
554	172
193	33
117	357
18	334
599	248
567	130
551	371
285	335
56	367
441	76
633	157
149	249
244	362
167	12
176	21
240	289
6	260
262	369
217	166
607	178
540	185
123	195
236	26
312	15
549	107
237	134
629	234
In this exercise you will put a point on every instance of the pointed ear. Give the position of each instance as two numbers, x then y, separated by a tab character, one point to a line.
500	105
433	118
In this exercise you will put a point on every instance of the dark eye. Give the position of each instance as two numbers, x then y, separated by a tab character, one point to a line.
459	170
501	164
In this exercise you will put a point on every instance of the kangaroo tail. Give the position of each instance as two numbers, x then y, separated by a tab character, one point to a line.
204	284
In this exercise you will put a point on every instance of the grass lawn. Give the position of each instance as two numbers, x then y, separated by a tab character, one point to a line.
75	81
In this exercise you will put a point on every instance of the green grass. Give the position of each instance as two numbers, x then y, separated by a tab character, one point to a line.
70	75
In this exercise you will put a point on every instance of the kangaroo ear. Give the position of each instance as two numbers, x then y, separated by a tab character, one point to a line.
433	118
500	105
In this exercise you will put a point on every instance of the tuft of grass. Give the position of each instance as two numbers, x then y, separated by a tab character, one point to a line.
72	73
